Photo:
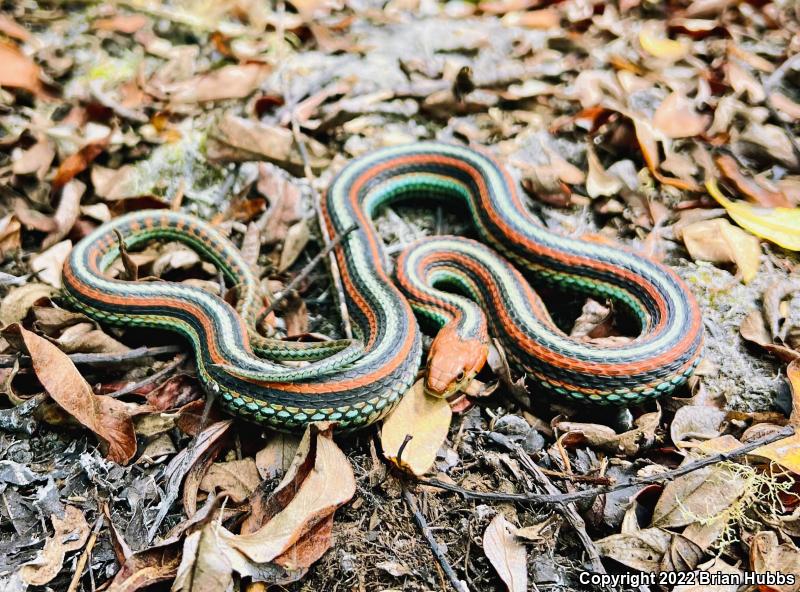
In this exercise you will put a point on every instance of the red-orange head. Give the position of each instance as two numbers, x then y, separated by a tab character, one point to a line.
453	361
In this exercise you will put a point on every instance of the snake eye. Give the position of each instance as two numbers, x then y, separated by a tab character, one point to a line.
461	376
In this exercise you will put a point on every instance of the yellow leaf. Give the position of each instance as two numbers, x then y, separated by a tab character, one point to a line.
785	452
778	225
425	420
661	47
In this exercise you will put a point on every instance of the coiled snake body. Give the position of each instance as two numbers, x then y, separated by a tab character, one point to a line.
356	383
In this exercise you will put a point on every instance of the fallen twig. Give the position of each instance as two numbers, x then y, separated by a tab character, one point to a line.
305	272
336	278
79	567
168	369
7	361
459	585
565	498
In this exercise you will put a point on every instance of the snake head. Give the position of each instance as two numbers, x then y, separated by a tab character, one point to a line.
453	361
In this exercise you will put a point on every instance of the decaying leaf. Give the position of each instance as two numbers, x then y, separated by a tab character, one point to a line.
108	418
19	71
767	555
506	554
696	422
643	550
237	479
699	495
416	429
71	533
48	264
296	518
676	118
276	457
18	302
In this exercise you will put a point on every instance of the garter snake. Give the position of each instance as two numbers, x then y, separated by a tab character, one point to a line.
354	383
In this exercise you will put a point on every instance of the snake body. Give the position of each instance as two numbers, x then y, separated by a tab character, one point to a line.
356	383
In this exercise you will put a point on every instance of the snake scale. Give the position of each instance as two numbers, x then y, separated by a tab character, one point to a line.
355	383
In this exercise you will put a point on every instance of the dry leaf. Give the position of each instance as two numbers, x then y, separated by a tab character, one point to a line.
204	565
598	180
642	550
699	495
676	118
779	225
506	554
36	159
10	237
70	534
69	208
751	188
237	479
426	420
48	264
754	329
785	452
240	139
18	302
717	241
661	47
319	481
228	82
275	458
698	422
297	238
80	161
19	71
108	418
715	566
768	556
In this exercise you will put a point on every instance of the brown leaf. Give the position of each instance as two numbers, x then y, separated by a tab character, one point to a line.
642	550
239	139
715	566
297	238
204	565
35	160
122	23
600	436
276	457
10	237
696	496
237	479
423	418
599	181
754	191
319	481
19	71
718	241
768	556
13	29
228	82
698	422
18	302
69	208
76	163
754	329
108	418
48	264
506	553
676	118
71	533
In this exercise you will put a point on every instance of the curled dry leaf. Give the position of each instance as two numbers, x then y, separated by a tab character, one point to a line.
662	47
752	189
18	302
598	180
779	225
416	429
48	264
76	163
754	329
276	457
506	553
204	565
715	566
768	555
676	118
295	520
108	418
718	241
69	208
600	436
70	534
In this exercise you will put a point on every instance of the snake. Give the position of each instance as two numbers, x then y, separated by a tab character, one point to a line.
468	289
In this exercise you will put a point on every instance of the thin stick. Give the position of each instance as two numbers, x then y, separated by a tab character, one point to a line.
7	361
76	577
168	369
304	273
437	551
568	511
564	498
336	277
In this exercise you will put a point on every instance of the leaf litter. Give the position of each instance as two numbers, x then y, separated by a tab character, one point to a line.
669	128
